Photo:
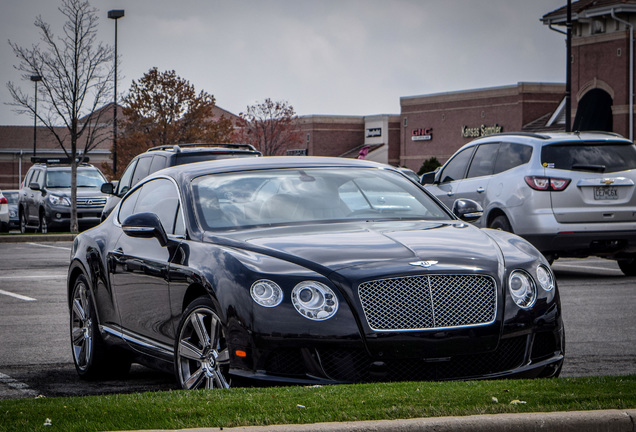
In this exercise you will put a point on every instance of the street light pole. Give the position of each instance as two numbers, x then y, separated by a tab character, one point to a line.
35	79
115	14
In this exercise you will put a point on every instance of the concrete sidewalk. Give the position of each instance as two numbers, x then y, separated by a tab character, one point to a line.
575	421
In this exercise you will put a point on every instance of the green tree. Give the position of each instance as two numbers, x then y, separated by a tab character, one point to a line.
269	126
162	108
429	165
76	79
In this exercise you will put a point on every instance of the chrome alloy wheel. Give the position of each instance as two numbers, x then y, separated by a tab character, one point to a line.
82	327
202	356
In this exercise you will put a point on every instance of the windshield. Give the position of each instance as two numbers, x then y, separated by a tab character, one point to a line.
590	156
292	196
86	178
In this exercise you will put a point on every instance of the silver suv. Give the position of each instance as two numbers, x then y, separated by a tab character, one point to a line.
569	194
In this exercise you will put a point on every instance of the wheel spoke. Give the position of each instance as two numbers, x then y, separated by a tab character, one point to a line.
199	327
189	351
79	310
223	356
220	380
214	330
195	379
78	336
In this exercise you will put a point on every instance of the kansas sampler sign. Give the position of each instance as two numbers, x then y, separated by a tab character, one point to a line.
479	131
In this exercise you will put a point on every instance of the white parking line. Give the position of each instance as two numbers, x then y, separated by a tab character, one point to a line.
18	296
16	385
49	246
587	267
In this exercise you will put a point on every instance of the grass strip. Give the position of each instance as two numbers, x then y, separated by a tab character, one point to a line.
292	405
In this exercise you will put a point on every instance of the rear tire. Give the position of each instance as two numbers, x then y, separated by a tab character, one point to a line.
23	223
90	354
502	223
628	265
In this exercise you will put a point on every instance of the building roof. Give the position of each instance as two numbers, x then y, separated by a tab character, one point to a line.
588	9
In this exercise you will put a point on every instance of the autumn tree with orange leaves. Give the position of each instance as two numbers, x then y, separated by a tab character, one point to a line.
162	108
269	126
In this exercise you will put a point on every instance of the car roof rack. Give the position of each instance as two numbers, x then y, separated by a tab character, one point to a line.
58	161
523	134
177	147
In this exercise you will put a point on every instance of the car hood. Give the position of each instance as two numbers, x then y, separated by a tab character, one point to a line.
376	246
81	192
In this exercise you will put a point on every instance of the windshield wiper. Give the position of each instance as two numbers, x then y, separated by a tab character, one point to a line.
585	167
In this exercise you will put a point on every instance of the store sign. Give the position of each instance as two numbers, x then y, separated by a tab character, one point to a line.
483	130
422	134
297	152
374	132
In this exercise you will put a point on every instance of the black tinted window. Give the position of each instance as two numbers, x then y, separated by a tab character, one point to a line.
142	170
159	197
590	156
484	161
456	167
512	155
126	178
158	162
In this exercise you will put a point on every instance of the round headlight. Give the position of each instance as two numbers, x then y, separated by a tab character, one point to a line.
266	293
545	278
314	300
522	289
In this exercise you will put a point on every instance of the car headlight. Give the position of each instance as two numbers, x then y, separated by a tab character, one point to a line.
545	278
314	300
522	289
59	200
266	293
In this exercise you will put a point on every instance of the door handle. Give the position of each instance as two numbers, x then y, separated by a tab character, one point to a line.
480	189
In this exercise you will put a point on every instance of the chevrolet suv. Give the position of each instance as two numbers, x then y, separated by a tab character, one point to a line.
45	196
569	194
161	157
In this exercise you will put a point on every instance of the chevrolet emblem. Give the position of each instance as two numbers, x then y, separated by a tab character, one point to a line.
608	181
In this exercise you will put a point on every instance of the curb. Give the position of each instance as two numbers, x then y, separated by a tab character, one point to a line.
24	238
574	421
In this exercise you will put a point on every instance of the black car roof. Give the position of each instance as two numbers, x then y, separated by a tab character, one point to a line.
268	162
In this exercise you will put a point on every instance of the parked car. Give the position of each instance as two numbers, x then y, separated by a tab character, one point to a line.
306	270
12	198
45	196
569	194
161	157
4	213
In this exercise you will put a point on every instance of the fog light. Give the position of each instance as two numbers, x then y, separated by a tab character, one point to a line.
58	215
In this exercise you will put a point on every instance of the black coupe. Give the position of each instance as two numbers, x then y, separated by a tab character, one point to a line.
307	270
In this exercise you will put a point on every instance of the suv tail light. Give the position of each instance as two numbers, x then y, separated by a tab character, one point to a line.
3	200
547	183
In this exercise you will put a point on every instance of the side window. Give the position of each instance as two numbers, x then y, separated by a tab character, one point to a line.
142	170
27	179
512	155
483	163
128	205
161	198
158	162
456	168
37	177
126	177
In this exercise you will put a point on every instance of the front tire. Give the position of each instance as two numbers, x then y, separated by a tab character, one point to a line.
628	265
44	227
90	355
23	223
202	357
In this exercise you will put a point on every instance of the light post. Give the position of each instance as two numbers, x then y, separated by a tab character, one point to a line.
115	14
35	79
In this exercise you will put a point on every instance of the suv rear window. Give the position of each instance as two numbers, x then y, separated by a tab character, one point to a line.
590	156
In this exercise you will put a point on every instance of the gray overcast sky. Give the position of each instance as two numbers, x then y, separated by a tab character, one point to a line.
342	57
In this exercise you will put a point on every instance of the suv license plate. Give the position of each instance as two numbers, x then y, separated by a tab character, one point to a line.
605	193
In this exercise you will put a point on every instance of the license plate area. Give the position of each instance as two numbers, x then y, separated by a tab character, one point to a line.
605	193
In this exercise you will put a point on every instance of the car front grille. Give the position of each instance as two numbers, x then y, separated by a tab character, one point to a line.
95	202
429	302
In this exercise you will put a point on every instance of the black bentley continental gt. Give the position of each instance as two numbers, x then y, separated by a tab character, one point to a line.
307	270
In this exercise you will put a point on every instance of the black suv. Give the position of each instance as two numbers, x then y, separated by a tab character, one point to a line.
161	157
44	202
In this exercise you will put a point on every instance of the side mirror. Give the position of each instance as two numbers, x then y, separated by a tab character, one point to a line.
34	186
467	210
145	225
429	177
107	188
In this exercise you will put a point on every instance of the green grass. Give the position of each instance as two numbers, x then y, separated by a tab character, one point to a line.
290	405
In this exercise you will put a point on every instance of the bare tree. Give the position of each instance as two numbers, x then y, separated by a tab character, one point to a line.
269	126
77	79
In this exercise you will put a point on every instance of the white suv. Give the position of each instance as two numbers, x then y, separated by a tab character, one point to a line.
569	194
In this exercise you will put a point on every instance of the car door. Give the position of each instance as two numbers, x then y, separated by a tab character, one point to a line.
475	185
139	269
450	177
33	197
